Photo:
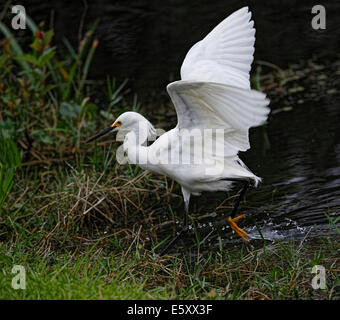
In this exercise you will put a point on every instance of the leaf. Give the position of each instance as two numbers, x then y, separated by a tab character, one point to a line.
91	110
63	72
6	128
15	46
42	136
46	57
107	115
46	139
3	59
46	89
48	37
70	110
36	45
28	58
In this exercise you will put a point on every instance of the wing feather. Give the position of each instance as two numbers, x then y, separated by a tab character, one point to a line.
225	54
214	92
208	105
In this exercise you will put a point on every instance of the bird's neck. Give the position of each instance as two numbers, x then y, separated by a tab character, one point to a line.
135	143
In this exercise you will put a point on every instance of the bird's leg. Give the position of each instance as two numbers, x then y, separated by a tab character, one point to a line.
240	197
232	220
183	231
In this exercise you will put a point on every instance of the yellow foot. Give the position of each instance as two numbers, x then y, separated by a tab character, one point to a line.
236	228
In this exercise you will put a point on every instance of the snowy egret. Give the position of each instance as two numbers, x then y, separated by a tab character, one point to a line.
213	95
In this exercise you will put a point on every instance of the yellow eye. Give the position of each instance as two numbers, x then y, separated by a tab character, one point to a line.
117	124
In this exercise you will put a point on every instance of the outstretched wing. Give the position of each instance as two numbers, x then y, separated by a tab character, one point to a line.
215	90
225	54
208	105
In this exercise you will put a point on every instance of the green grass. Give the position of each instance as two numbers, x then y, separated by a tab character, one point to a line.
95	271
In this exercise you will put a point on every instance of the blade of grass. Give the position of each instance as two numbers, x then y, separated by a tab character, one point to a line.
16	49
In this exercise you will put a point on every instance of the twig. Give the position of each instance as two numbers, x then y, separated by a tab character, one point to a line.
96	204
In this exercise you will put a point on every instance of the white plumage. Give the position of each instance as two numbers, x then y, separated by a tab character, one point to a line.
225	54
214	94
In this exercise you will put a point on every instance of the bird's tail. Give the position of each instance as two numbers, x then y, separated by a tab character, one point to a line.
256	179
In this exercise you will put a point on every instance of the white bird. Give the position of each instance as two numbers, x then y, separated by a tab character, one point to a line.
213	100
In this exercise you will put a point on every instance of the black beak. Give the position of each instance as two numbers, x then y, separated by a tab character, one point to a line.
101	133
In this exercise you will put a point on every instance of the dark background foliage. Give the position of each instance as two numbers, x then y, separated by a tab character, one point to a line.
146	40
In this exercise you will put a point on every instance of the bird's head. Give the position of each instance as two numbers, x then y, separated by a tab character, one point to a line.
129	121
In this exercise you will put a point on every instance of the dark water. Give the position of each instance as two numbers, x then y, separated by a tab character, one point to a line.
297	153
146	40
300	165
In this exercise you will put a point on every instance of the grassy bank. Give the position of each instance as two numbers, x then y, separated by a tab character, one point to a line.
281	270
87	227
